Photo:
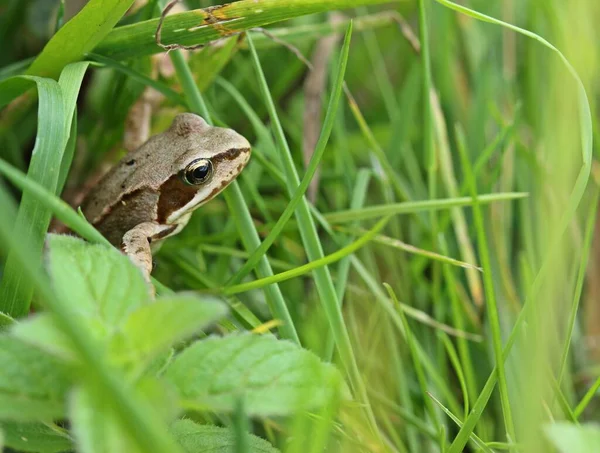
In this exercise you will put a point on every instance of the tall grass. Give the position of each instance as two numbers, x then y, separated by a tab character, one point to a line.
441	268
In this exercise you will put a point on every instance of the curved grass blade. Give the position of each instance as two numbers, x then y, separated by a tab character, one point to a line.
33	217
237	204
314	250
575	198
93	22
411	207
305	269
55	113
311	169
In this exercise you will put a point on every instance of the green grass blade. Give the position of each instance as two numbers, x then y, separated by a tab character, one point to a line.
411	207
94	21
581	273
59	208
311	169
195	27
33	217
589	395
574	200
410	340
490	292
305	269
236	203
169	93
476	440
312	244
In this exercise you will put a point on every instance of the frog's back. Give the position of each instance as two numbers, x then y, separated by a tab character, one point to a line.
127	178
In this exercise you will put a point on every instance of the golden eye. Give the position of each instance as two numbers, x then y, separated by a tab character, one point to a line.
198	172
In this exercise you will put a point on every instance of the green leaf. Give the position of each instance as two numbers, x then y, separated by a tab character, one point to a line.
195	438
32	384
162	395
36	437
97	429
104	282
42	332
153	328
570	438
275	377
95	426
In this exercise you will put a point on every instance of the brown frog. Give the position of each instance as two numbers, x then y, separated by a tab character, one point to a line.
151	193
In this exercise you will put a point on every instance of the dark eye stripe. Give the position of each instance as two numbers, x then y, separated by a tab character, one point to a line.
230	154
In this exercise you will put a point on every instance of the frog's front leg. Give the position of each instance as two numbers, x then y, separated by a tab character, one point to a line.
136	244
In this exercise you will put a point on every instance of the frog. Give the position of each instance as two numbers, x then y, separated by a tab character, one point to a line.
151	193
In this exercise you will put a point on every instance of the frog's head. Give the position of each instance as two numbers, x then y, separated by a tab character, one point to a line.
210	159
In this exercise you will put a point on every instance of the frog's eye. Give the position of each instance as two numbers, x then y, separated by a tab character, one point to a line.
198	172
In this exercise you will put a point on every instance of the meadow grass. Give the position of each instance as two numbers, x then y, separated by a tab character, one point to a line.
441	266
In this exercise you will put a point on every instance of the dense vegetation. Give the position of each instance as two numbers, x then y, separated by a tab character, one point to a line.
407	263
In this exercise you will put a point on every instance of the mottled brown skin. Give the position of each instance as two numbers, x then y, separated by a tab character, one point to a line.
144	198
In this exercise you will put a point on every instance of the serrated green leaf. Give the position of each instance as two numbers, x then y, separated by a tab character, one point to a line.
36	437
153	328
95	427
41	331
195	438
33	384
274	377
162	395
104	282
569	438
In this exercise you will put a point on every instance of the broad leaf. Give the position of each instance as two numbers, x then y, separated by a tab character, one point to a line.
41	331
153	328
35	437
195	438
569	438
95	428
104	282
32	384
275	377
